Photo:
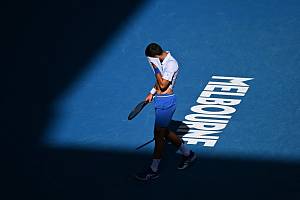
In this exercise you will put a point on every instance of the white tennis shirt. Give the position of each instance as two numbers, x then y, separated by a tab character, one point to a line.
168	68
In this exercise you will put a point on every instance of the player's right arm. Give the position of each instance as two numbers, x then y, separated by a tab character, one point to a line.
151	94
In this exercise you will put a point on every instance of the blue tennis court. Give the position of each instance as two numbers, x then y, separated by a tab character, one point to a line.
87	148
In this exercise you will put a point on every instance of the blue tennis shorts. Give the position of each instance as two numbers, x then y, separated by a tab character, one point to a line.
165	106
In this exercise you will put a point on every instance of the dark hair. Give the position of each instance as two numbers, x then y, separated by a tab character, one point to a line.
153	50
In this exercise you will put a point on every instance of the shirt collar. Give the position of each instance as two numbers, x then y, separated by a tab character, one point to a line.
166	58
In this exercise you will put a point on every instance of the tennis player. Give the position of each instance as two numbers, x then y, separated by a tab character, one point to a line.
165	105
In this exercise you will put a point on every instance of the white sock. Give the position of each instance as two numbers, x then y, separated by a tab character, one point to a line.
154	165
184	150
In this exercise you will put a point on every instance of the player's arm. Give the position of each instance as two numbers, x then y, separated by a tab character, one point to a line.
161	82
151	94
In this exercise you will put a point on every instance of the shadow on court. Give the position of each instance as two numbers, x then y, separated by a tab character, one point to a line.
46	44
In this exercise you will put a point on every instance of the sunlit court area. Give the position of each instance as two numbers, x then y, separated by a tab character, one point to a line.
73	70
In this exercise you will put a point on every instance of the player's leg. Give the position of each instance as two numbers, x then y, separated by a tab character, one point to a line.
178	143
166	116
159	139
174	139
152	171
164	110
163	116
188	156
160	133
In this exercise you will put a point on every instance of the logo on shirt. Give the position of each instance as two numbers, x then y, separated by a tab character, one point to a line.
214	109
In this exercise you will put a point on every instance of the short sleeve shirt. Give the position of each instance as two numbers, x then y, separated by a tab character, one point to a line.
170	69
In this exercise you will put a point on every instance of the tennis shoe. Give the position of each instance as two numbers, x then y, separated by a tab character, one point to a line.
186	161
147	175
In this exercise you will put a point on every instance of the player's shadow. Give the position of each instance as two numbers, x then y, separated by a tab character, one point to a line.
174	127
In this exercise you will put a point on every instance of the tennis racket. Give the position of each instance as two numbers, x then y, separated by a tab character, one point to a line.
138	108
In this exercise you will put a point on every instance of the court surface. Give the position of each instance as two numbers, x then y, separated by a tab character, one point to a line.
252	40
257	154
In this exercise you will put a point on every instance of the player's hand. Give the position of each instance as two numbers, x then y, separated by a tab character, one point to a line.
149	97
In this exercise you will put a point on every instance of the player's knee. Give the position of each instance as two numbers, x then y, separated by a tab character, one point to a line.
158	134
161	132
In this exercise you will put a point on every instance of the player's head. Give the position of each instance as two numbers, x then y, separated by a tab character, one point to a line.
153	50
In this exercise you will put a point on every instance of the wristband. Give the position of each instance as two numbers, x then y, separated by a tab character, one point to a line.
153	91
156	70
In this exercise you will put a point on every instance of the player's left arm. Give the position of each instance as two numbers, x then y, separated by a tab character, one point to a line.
164	81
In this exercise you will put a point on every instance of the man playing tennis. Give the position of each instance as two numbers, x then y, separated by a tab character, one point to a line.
165	105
